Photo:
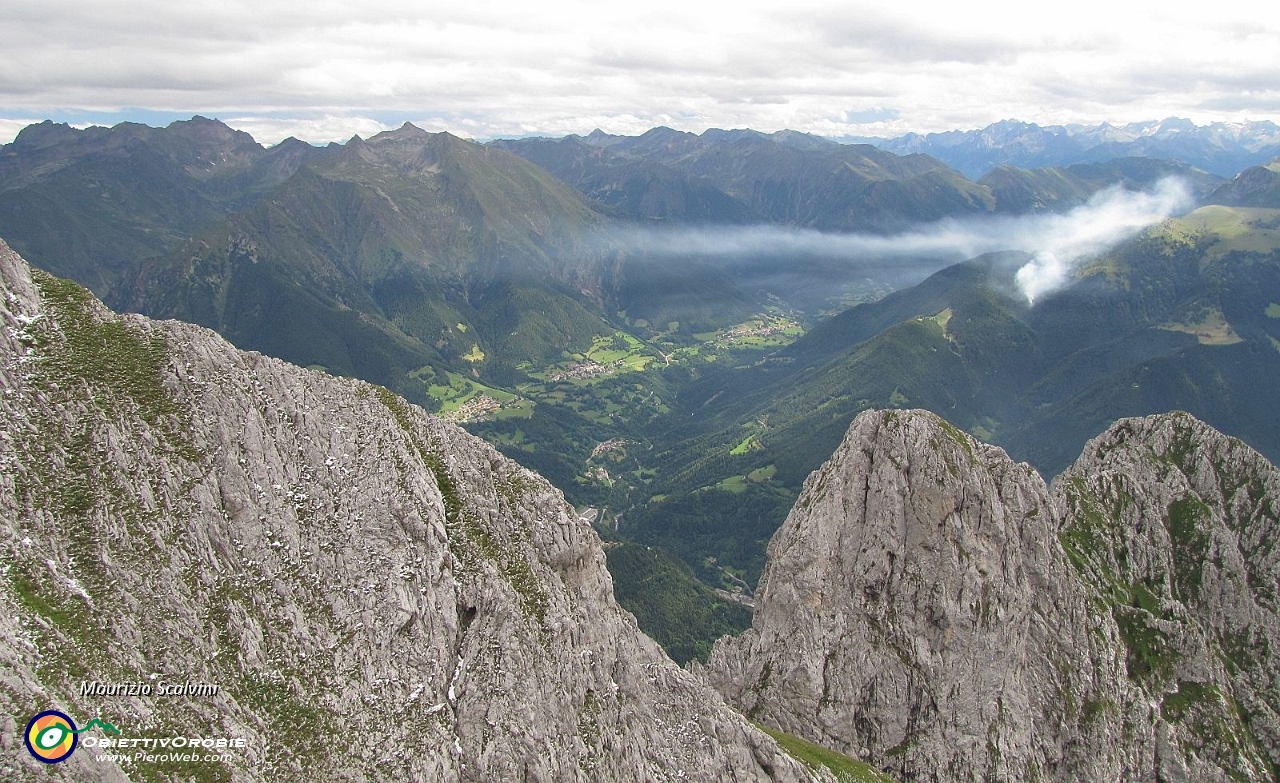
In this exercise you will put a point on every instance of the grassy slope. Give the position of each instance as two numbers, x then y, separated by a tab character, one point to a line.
817	757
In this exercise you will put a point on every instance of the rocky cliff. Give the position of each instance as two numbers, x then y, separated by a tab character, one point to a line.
375	594
937	609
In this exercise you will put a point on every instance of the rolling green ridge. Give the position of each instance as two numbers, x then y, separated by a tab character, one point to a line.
721	177
1256	186
409	233
1021	190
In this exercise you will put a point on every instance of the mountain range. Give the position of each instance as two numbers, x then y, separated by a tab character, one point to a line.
797	180
1220	148
361	258
749	177
567	300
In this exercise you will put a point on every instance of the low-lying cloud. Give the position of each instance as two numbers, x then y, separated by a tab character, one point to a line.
1059	242
1110	217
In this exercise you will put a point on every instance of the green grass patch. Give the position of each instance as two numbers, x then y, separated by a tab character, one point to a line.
1188	522
309	723
761	475
1273	310
817	757
735	484
111	355
1235	228
1209	328
609	355
475	355
521	410
1175	706
1150	656
619	347
746	445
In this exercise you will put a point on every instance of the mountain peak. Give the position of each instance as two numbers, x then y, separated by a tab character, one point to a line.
663	132
735	134
44	134
290	142
406	131
924	583
207	139
598	138
1175	125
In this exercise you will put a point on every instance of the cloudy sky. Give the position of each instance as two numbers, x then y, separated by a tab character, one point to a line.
324	70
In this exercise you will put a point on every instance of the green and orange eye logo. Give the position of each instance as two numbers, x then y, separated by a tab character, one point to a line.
51	736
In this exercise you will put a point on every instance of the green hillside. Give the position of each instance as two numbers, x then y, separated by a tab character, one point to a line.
89	204
677	610
1020	190
1183	317
728	177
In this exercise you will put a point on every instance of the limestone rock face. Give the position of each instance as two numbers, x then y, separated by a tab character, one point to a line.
933	607
1173	525
377	594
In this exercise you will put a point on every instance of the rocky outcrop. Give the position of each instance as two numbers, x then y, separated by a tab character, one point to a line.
376	594
1172	528
933	607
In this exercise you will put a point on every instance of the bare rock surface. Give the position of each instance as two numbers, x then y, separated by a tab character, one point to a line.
933	607
376	594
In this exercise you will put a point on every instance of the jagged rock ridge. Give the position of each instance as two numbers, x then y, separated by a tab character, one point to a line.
379	595
934	607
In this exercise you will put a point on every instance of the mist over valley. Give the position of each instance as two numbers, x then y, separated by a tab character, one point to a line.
1059	241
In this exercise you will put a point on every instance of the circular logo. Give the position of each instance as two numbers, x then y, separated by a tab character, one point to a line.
51	736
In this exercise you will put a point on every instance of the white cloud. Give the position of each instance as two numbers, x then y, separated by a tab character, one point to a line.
505	68
1066	241
1059	242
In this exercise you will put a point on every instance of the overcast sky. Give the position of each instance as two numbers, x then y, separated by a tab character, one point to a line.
325	70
